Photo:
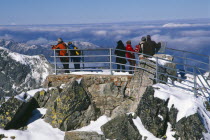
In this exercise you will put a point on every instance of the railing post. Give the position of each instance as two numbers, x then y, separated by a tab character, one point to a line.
55	63
156	73
195	81
110	60
83	60
209	68
185	62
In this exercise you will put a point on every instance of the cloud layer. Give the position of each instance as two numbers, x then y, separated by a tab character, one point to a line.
192	36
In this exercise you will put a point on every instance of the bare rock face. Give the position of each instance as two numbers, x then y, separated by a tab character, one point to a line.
190	128
67	111
149	110
107	92
79	135
146	76
121	128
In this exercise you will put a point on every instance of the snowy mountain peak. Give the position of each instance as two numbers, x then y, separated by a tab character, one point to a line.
20	72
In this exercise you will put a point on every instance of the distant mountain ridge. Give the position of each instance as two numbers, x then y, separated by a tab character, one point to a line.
24	48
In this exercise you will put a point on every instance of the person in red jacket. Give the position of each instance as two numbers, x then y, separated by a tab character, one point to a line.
62	52
129	56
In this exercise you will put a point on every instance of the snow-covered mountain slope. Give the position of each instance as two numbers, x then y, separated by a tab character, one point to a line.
45	49
21	72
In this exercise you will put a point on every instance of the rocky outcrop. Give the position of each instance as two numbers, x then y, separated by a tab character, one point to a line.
79	135
153	113
20	72
155	116
145	76
169	66
46	98
190	128
68	110
121	128
14	113
107	93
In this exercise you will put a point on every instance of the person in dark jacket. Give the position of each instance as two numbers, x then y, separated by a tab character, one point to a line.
129	56
146	49
119	54
152	44
62	52
74	52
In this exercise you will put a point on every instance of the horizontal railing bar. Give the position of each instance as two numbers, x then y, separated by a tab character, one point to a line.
184	58
176	77
187	52
82	56
173	84
91	69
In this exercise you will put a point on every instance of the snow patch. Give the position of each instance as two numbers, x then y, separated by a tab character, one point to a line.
160	61
32	92
161	117
62	86
23	97
170	133
79	80
95	125
143	131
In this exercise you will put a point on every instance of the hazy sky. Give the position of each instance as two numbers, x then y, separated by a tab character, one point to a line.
99	11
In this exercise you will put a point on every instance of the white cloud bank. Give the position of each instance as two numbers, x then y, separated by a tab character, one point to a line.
175	25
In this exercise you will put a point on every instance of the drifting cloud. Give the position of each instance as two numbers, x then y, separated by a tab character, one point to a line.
195	33
40	41
175	25
100	33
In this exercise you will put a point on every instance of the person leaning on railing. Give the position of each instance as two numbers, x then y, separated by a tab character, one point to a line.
61	50
155	46
75	53
120	56
130	56
146	49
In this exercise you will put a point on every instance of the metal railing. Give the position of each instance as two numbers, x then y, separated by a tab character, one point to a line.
104	60
202	62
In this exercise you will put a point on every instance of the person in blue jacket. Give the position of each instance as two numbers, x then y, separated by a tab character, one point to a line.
74	52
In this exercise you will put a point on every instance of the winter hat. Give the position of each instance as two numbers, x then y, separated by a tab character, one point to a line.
69	42
60	40
128	42
143	38
119	42
148	36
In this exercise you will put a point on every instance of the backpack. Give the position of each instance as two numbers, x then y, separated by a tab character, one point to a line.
76	51
138	48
